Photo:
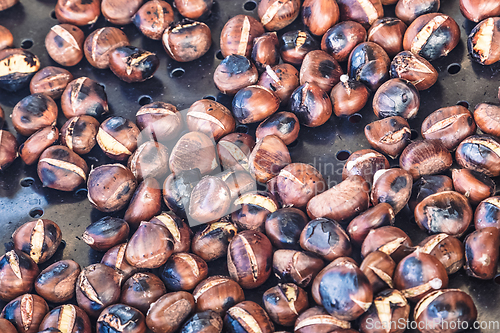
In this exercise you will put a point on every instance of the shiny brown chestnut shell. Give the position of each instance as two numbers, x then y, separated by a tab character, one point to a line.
299	267
194	9
145	203
364	12
235	72
388	32
17	67
427	185
320	68
234	150
26	312
284	226
284	125
348	96
119	13
342	38
389	135
31	149
34	112
275	15
254	103
369	64
203	322
79	134
39	239
106	233
187	41
168	313
412	67
317	320
150	246
159	121
392	186
247	314
117	137
217	293
115	258
418	274
62	169
408	11
211	118
487	213
436	312
268	157
477	11
475	186
364	163
450	125
432	36
7	327
389	307
121	317
481	153
342	282
425	157
57	282
448	212
388	239
284	303
177	190
64	44
149	160
380	215
153	18
265	51
281	79
183	271
448	249
379	270
67	317
78	12
141	290
210	243
131	64
100	43
84	96
50	81
238	34
341	202
210	200
481	253
319	16
295	45
325	238
181	234
483	40
249	259
311	104
252	208
6	38
110	187
487	118
97	287
17	274
396	97
193	150
238	182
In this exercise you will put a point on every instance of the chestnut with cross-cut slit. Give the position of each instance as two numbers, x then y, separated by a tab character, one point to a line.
33	113
121	318
100	43
66	317
183	271
142	289
167	314
247	314
277	14
26	312
17	67
39	239
217	293
117	137
238	34
295	45
84	96
211	118
389	306
64	44
17	274
187	41
412	67
132	64
285	302
211	242
153	18
363	11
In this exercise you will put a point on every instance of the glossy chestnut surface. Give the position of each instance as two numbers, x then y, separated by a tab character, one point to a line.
238	34
311	104
299	267
265	51
319	16
18	67
427	185
389	135
380	215
132	64
342	38
194	9
392	186
476	186
203	322
34	112
193	150
217	293
159	121
117	137
284	303
245	314
284	125
369	64
379	270
64	44
295	45
100	43
153	18
183	271
348	96
145	203
26	312
178	228
187	40
39	239
487	119
425	157
321	68
448	249
388	32
396	97
150	160
267	158
316	319
487	212
483	40
364	12
79	134
408	11
115	258
282	79
481	153
234	73
84	96
121	318
364	163
414	68
388	239
66	317
51	81
481	254
177	190
78	12
167	314
325	238
477	11
57	282
284	226
106	233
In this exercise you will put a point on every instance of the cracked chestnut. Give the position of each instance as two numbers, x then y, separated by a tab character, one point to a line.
369	64
392	186
487	118
389	307
203	322
141	290
117	137
79	134
389	135
380	215
425	157
167	314
247	314
121	318
131	64
281	79
396	97
265	51
311	104
149	160
187	41
50	81
348	96
17	67
235	72
488	213
177	190
211	118
479	10
268	157
217	293
364	12
194	150
284	303
364	163
67	317
31	149
299	267
145	203
325	238
284	226
118	12
181	233
84	96
379	270
159	121
284	125
64	44
448	249
100	43
238	34
388	239
254	103
8	149
388	32
115	258
234	149
408	11
317	320
39	239
276	15
78	12
320	68
342	38
57	282
252	209
295	45
17	274
481	253
210	243
480	152
106	233
153	18
412	67
475	186
34	112
26	312
427	185
183	271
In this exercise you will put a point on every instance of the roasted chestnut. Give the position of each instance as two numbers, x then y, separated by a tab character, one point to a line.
486	118
31	149
115	258
380	215
17	274
448	249
392	186
110	187
150	246
282	79
149	160
379	269
17	67
145	203
153	18
210	243
160	121
100	43
50	81
341	202
84	96
268	157
319	16
180	231
117	137
396	97
311	105
247	314
238	182
194	9
217	293
67	317
480	153
369	64
8	149
238	34
62	169
412	67
39	239
78	12
106	233
57	282
481	253
390	135
249	259
235	72
284	125
342	38
295	45
348	96
419	274
193	150
121	318
408	11
388	239
275	15
364	12
325	238
119	12
203	322
234	150
321	68
254	103
365	163
167	314
210	200
317	320
6	38
427	185
284	226
26	312
478	11
211	118
284	303
388	32
64	44
187	41
183	271
432	36
389	310
98	286
442	310
132	64
296	266
177	190
142	289
425	157
487	213
265	51
476	186
79	134
343	289
7	327
34	112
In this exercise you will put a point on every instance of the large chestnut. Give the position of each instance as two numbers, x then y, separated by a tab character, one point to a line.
187	41
210	243
117	137
481	253
268	157
79	134
145	203
389	135
481	153
396	97
64	44
388	32
167	314
448	249
476	186
296	266
235	72
326	238
348	96
369	64
412	67
284	125
106	233
183	271
211	118
311	104
342	38
121	318
217	293
284	303
153	18
275	14
319	16
34	112
193	150
320	68
39	239
17	67
26	312
67	317
284	226
247	314
392	186
479	10
282	79
295	45
57	282
427	185
84	96
238	34
101	42
159	121
210	200
254	103
425	157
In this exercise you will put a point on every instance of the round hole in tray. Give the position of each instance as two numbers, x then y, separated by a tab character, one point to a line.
27	44
177	72
355	118
343	155
81	193
242	129
465	104
250	5
27	181
36	212
144	99
454	68
210	97
414	134
53	15
219	55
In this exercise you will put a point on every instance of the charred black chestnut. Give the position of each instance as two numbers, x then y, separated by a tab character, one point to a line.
132	64
326	238
369	64
396	97
84	96
106	233
295	45
311	105
187	41
342	38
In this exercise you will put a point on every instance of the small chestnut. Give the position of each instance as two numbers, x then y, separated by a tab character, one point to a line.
84	96
17	67
57	282
131	64
64	44
193	150
187	41
284	226
480	152
475	186
115	258
311	104
238	34
31	149
145	203
388	239
363	11
78	12
396	97
448	249
203	322
17	274
34	112
380	215
142	289
295	45
369	64
8	149
392	186
296	266
388	32
268	157
321	68
412	67
183	271
67	317
210	243
265	51
119	12
167	314
211	118
101	42
425	157
159	121
342	38
153	18
217	293
348	96
276	15
194	9
235	72
481	253
281	79
325	238
284	303
181	233
50	81
117	137
39	239
26	312
284	125
106	233
79	134
149	160
247	314
121	318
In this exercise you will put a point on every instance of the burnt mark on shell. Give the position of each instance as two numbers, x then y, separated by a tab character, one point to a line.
47	176
35	105
306	12
56	270
236	64
60	154
436	43
117	123
399	184
141	285
86	2
59	41
327	68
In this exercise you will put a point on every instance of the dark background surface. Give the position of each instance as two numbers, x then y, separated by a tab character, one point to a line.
23	198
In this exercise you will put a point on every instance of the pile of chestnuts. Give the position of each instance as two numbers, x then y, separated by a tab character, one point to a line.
185	189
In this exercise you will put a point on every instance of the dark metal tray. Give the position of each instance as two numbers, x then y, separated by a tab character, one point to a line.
23	198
